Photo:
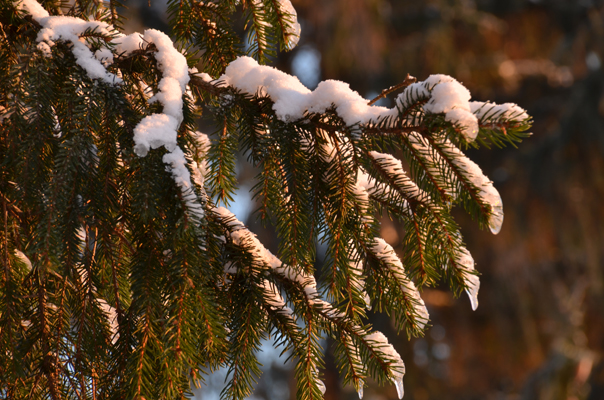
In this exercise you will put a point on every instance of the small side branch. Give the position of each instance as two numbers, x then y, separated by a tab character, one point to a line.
408	81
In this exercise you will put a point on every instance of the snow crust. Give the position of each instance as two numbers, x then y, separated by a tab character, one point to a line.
388	256
242	237
356	267
394	168
397	367
177	165
506	111
274	299
433	161
465	261
486	191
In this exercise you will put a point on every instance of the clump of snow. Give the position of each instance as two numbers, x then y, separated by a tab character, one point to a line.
70	29
23	258
350	105
204	76
292	99
171	62
411	94
154	131
34	8
177	165
105	56
451	98
126	44
366	186
45	49
241	236
443	94
158	130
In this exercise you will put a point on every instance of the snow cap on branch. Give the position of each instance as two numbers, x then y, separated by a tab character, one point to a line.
292	30
509	111
450	97
292	99
388	256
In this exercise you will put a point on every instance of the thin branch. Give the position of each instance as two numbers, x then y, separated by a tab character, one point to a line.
408	81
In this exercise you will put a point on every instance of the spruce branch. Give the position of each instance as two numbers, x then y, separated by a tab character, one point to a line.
136	276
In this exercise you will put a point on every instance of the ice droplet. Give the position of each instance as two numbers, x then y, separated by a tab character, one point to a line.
321	386
360	389
399	387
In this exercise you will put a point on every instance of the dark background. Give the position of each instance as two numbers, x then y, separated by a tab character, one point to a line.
539	331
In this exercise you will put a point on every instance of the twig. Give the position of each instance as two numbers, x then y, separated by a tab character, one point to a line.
408	81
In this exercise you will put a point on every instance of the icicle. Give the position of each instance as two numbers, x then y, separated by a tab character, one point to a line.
360	389
466	263
496	217
473	295
399	387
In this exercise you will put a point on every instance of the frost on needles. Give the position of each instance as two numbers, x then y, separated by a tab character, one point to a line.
124	271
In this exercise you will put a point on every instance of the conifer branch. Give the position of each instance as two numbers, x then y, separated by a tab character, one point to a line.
110	190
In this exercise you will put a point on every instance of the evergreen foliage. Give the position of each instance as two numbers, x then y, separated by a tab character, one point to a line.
123	277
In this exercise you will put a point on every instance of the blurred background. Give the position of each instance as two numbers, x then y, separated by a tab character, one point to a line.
539	331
